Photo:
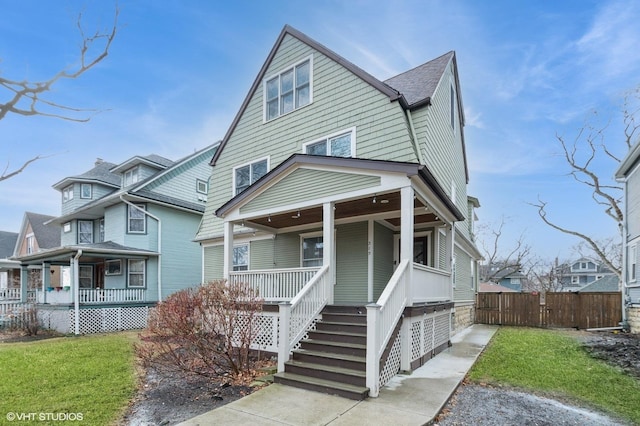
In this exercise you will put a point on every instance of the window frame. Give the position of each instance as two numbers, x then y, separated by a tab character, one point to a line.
130	172
143	273
67	193
101	230
82	188
79	231
234	188
308	236
66	227
633	261
80	276
350	131
144	218
237	266
113	267
575	279
295	89
205	184
31	243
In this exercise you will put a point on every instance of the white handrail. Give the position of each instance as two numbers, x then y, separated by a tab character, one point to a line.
111	295
275	285
297	316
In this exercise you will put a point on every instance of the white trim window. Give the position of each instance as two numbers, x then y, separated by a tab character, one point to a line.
241	257
575	279
131	176
85	276
101	230
289	90
66	227
312	251
341	144
247	174
31	244
86	191
633	260
85	231
136	271
202	187
67	194
136	219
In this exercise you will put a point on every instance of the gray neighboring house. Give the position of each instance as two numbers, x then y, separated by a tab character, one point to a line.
581	272
629	175
7	267
606	284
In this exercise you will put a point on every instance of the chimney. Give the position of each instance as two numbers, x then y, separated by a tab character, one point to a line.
99	161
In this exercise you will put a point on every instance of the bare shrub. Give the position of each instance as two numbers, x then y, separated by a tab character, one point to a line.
206	331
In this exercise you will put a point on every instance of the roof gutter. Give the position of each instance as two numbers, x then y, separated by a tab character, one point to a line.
156	218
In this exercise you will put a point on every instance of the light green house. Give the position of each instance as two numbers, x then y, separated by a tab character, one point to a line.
335	191
126	242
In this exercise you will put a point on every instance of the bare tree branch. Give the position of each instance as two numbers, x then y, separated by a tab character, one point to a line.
499	263
6	174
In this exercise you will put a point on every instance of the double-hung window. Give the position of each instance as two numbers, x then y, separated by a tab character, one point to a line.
85	276
312	251
248	174
340	144
241	257
67	194
136	219
131	176
633	259
85	191
85	232
136	273
289	90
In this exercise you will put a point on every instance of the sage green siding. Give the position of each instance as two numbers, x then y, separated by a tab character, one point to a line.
287	253
463	290
382	258
261	254
213	263
307	184
341	100
351	263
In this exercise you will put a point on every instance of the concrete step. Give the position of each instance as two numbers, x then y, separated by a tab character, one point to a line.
321	385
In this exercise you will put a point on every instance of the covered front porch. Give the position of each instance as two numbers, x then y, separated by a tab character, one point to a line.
369	233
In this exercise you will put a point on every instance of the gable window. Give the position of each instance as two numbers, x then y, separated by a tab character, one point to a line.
85	276
241	258
633	258
136	219
67	194
202	187
287	91
246	175
85	232
337	145
131	176
31	244
312	251
136	273
85	191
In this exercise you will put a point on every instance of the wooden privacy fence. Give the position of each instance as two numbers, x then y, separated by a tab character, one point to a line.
561	310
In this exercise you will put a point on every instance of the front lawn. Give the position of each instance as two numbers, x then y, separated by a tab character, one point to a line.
89	376
556	364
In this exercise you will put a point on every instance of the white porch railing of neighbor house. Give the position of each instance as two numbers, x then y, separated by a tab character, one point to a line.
382	318
275	285
297	316
9	294
430	284
93	296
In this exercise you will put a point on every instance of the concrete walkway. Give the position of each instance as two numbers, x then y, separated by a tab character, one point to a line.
414	399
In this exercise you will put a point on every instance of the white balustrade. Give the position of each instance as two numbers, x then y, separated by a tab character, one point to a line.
430	284
275	285
10	294
297	316
112	295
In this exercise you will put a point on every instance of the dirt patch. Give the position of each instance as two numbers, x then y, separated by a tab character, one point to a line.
19	336
618	349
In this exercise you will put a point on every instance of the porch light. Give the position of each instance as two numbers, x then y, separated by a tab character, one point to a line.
296	216
269	219
374	199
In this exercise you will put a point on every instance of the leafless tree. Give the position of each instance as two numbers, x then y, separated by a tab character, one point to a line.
546	275
587	148
498	262
30	98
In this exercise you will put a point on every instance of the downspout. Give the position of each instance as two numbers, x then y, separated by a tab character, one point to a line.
623	272
159	242
414	137
76	291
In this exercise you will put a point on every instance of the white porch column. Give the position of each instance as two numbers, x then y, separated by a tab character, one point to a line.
370	245
228	249
452	253
328	244
406	253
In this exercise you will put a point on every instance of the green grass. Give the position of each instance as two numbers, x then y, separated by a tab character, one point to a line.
556	364
91	375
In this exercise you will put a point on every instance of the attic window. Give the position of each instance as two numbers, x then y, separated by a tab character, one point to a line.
288	90
131	176
337	145
67	194
201	186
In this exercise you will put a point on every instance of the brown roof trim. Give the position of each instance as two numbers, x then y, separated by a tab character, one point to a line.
410	169
382	87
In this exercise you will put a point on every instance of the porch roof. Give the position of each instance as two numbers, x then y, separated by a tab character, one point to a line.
107	249
409	169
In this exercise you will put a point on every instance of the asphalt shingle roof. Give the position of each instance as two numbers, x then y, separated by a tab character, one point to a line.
48	236
7	243
605	284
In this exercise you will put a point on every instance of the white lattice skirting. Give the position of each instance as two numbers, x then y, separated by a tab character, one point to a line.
104	320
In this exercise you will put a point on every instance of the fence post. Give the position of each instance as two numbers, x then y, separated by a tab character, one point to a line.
283	344
373	363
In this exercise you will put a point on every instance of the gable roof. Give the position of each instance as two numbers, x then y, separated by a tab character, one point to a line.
629	161
608	283
418	85
153	160
7	243
100	173
46	234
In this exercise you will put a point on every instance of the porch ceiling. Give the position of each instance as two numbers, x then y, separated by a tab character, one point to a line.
384	203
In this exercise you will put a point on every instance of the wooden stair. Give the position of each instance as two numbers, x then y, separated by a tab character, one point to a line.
333	359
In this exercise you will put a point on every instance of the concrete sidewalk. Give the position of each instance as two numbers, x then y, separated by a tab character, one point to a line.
414	399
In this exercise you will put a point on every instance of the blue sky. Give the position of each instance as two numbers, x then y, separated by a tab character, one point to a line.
179	70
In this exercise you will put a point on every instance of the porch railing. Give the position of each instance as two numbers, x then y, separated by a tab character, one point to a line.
112	295
297	316
10	294
382	318
430	284
275	285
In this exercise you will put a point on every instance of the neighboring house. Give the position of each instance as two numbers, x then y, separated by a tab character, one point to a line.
495	288
606	284
345	197
126	240
583	271
629	175
7	267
